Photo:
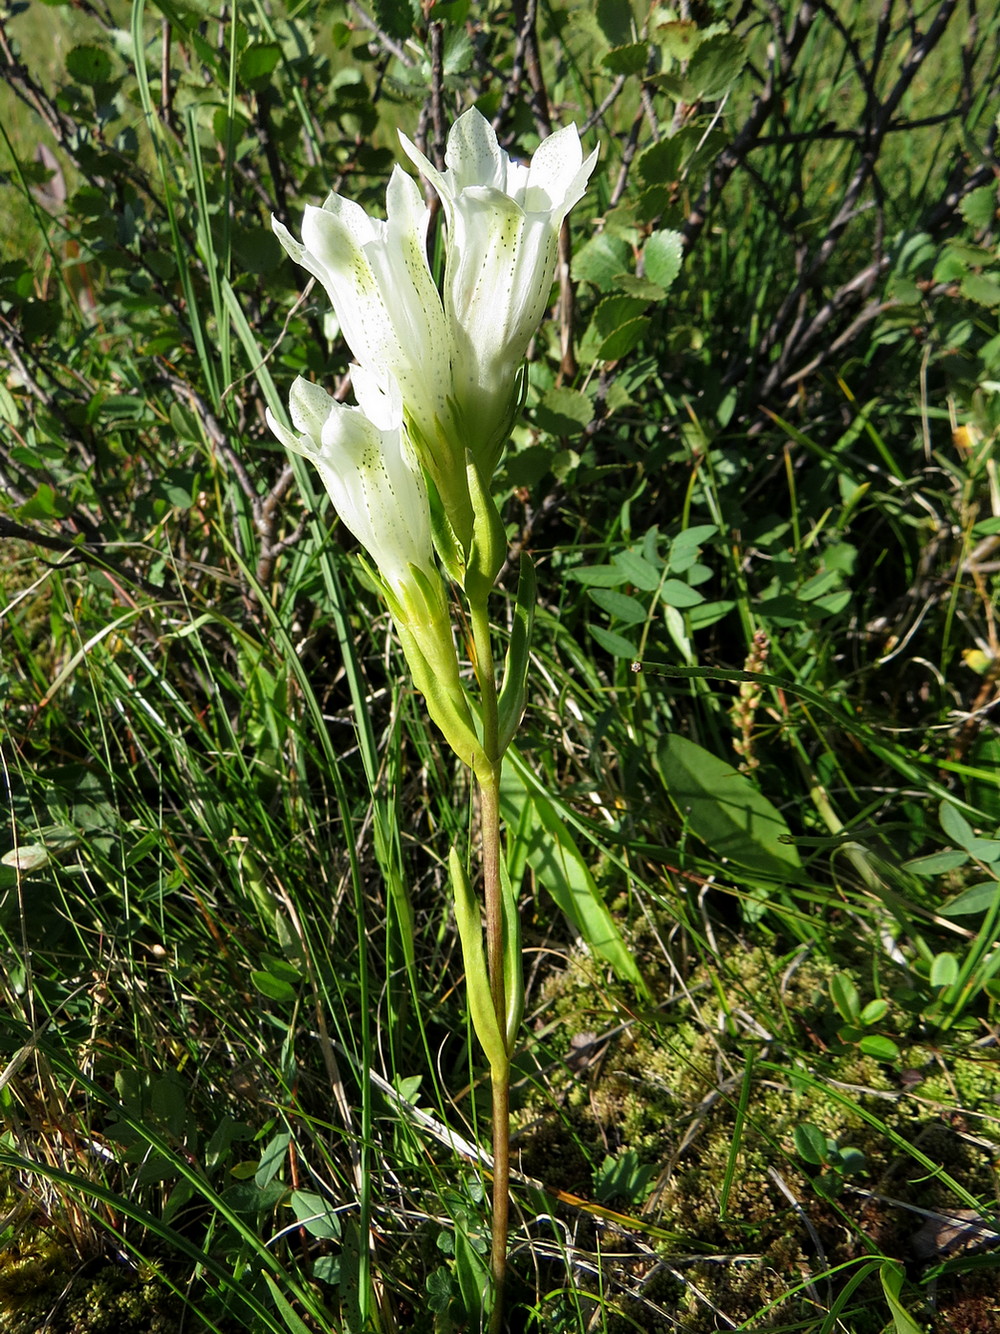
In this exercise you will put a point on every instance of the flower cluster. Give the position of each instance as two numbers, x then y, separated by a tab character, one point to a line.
437	373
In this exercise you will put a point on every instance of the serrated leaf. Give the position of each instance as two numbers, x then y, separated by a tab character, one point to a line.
564	412
614	18
394	17
600	261
90	65
981	288
629	59
725	809
715	66
662	256
257	64
623	340
661	163
979	207
629	285
614	311
679	39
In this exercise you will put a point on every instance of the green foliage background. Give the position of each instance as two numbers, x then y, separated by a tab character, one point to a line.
755	802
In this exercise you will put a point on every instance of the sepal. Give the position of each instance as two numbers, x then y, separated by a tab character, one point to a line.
489	539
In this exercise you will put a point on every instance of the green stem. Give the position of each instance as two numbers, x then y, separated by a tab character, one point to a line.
489	818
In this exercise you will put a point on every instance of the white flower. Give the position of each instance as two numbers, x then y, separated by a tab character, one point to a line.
456	360
378	280
503	232
365	462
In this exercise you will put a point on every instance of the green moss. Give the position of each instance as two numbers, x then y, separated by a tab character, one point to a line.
42	1286
667	1089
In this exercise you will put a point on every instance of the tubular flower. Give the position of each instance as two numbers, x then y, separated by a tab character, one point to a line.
380	285
503	233
364	459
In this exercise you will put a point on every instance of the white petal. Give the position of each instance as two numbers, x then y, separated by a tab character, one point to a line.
473	154
553	168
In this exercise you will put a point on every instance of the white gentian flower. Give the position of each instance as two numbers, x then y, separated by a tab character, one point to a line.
367	467
503	233
456	360
378	280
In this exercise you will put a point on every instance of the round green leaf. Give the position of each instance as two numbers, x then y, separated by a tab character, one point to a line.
661	257
944	970
880	1048
979	207
257	64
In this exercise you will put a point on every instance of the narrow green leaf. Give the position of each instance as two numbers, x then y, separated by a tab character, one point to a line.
514	691
477	980
544	841
600	576
641	572
624	608
316	1214
937	863
675	593
513	959
293	1322
891	1275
